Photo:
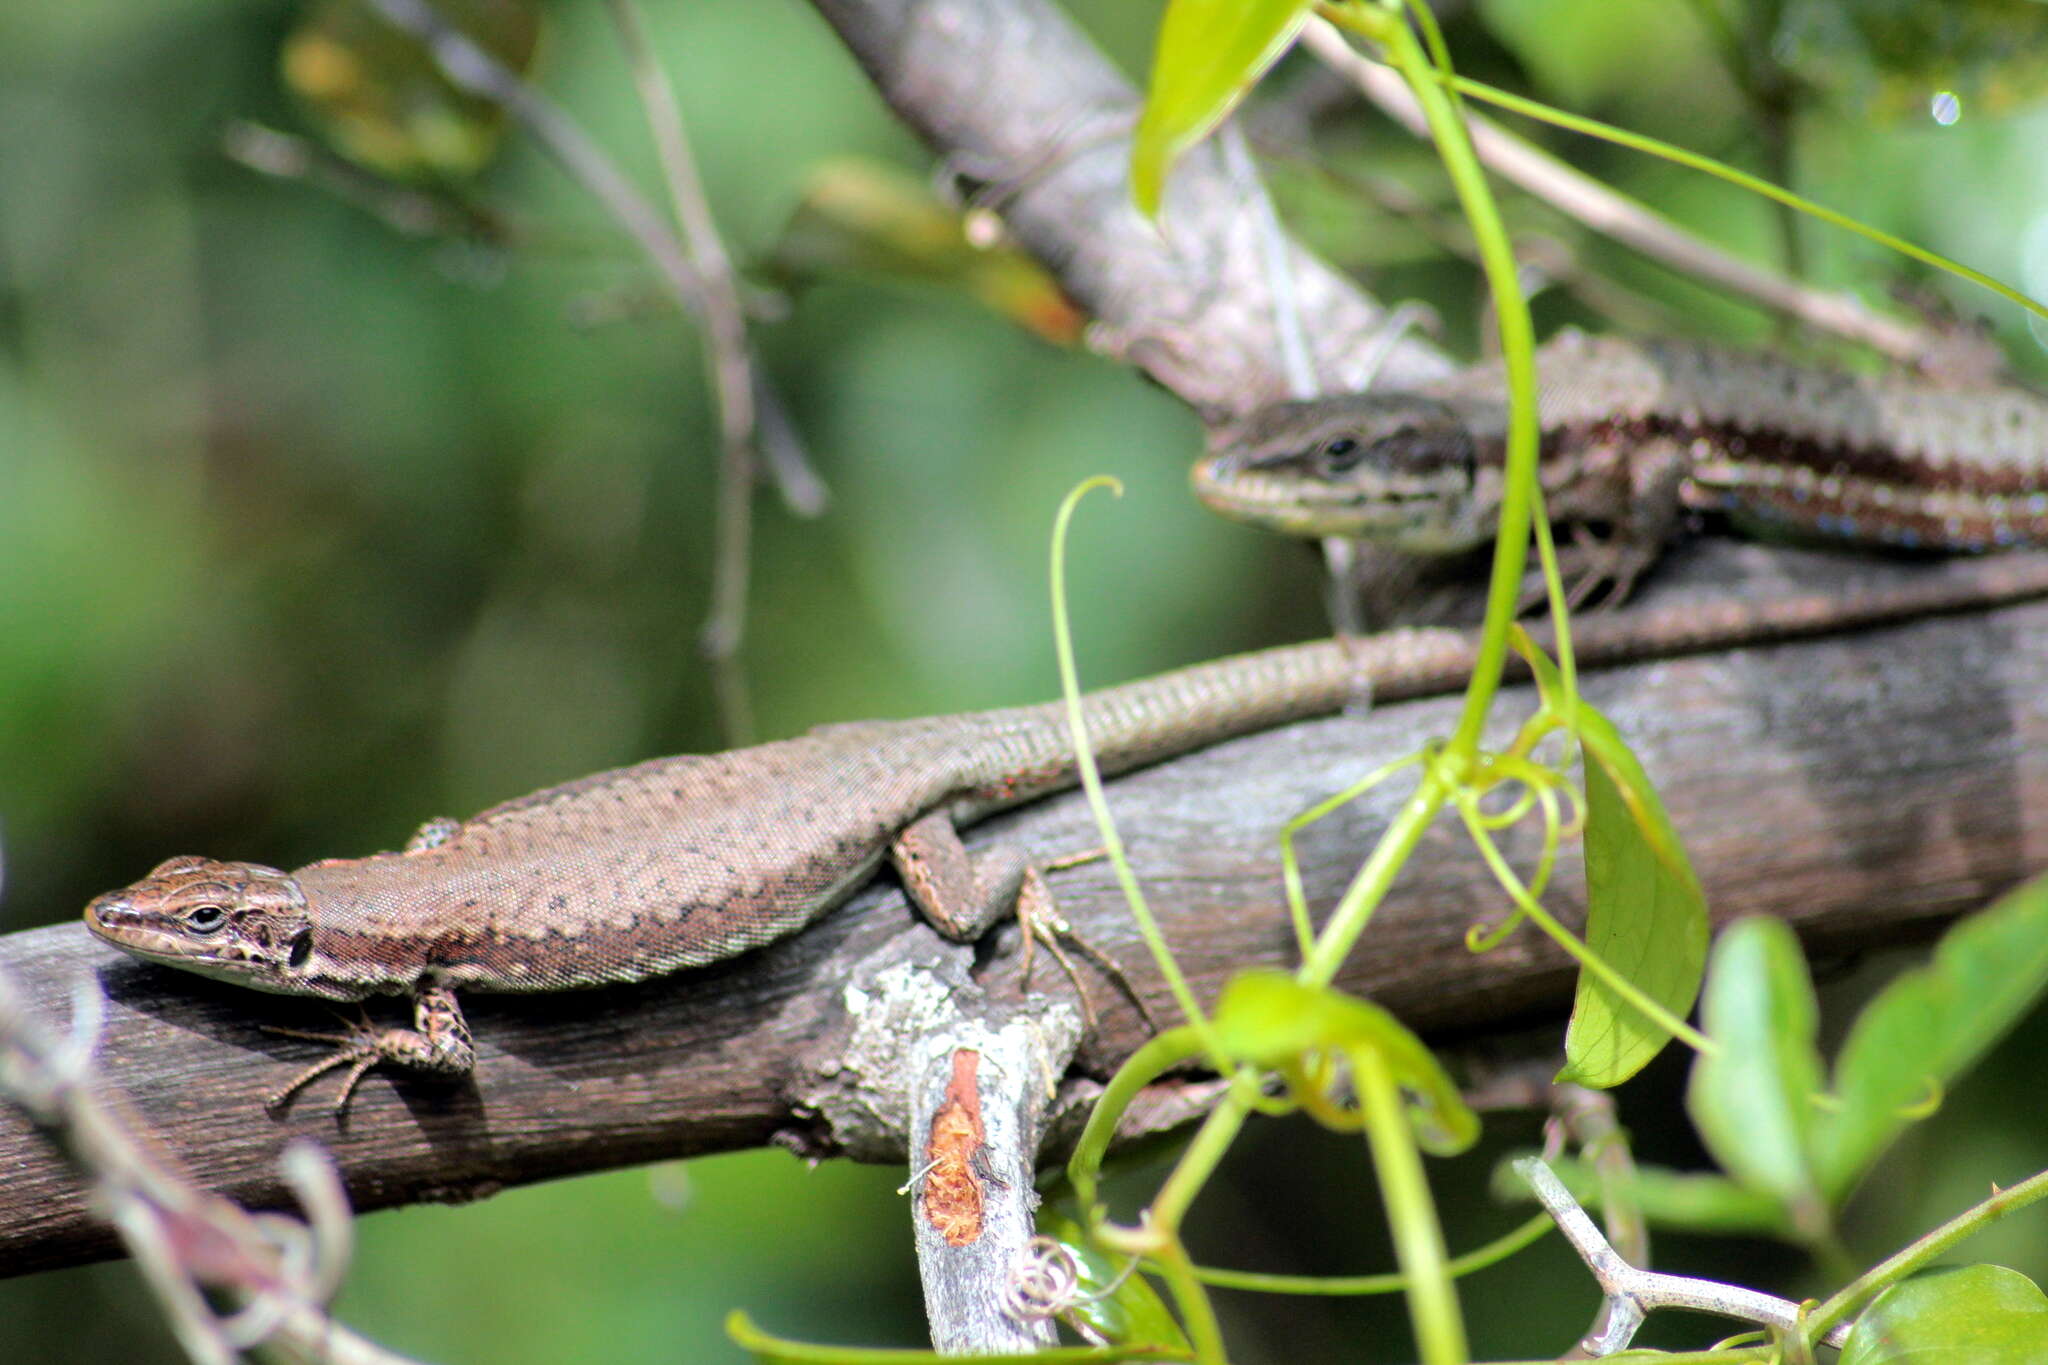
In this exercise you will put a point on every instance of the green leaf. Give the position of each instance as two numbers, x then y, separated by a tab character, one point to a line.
1753	1098
1959	1315
1270	1019
1646	916
1884	60
777	1351
1133	1311
863	216
1928	1026
383	102
1210	52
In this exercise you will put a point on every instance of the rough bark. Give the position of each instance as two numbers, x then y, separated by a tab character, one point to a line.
1864	787
1017	99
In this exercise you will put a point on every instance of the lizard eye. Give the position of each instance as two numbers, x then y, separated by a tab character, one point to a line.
206	919
1341	454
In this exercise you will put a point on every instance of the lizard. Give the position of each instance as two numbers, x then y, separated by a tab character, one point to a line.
682	862
1634	435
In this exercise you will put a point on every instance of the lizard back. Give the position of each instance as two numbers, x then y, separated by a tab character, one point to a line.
679	862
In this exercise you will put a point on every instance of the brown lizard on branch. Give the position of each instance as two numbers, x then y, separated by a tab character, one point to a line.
680	862
1635	435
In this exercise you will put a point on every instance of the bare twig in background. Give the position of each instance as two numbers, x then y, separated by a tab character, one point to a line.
1295	362
1628	222
731	365
700	277
1632	1294
472	70
186	1241
411	212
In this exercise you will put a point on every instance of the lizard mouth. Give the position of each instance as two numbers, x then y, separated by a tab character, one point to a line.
111	917
1282	501
115	918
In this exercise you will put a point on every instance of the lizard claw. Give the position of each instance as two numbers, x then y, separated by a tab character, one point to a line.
1593	567
358	1050
439	1044
1042	923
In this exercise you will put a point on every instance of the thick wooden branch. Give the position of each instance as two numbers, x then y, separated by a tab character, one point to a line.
1017	99
1865	787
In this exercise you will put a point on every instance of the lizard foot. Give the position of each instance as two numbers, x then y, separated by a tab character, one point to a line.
359	1049
1598	569
438	1043
1042	922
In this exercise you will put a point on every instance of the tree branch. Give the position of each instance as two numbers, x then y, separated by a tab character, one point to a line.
1019	100
1864	787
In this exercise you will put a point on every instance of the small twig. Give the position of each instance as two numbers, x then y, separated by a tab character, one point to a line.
731	366
784	457
1626	221
472	70
1589	1116
1295	361
184	1239
700	277
1632	1293
411	212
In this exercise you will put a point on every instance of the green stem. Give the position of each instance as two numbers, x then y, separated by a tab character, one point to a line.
1091	778
1147	1064
1197	1315
1518	344
1754	184
1925	1249
1370	886
1479	1258
1418	1238
1211	1142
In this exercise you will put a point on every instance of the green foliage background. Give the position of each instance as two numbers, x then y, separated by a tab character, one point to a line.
308	532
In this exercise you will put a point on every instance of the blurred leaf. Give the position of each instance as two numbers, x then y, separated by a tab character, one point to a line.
1210	52
1959	1315
381	100
1684	1200
1646	916
866	217
1753	1099
1924	1029
775	1351
1269	1018
1893	56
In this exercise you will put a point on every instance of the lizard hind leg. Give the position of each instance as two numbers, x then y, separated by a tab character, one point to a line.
959	894
963	895
438	1043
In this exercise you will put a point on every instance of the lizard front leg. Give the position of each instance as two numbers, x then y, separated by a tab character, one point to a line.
1638	497
438	1043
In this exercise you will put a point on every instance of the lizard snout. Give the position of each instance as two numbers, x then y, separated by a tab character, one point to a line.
110	912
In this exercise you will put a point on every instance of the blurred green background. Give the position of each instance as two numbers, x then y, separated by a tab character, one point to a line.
310	530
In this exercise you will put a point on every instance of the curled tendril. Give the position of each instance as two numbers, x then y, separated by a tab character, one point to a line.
1045	1281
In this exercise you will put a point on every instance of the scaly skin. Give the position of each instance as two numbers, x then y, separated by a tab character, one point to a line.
1636	433
685	861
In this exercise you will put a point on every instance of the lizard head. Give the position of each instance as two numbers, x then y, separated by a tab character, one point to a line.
1397	468
242	922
